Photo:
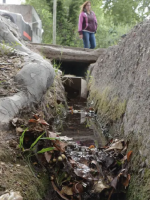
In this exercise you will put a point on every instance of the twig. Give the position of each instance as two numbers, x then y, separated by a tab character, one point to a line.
56	189
3	68
111	194
5	63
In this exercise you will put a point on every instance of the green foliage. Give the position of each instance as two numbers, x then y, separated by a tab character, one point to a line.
61	176
46	149
36	141
115	18
74	11
6	48
22	139
56	66
31	149
123	11
126	11
144	8
48	138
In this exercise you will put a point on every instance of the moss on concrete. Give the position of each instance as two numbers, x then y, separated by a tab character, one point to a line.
139	188
110	108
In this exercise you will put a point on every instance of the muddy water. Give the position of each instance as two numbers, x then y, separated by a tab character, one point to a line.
81	125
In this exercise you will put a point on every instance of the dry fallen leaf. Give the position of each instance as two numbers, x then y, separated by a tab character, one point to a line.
42	121
67	190
116	145
52	134
59	145
36	116
99	186
91	147
78	188
33	120
126	181
129	155
114	182
56	189
47	156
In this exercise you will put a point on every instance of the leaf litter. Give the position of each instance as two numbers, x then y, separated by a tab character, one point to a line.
76	171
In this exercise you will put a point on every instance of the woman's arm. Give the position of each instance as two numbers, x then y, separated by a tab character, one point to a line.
80	24
95	21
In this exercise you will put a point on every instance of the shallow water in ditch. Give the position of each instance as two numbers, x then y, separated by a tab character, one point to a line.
80	124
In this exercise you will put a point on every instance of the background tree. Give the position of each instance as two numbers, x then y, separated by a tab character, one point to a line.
115	18
144	9
123	11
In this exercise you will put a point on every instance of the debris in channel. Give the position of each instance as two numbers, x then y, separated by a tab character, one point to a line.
88	113
77	172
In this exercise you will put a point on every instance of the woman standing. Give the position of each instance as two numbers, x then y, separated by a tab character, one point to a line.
87	25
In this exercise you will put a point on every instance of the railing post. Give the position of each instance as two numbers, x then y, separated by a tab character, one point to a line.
54	20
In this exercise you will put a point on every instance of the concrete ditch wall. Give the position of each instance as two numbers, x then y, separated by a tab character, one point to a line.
120	89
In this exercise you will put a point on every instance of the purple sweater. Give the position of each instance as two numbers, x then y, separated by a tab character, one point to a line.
87	22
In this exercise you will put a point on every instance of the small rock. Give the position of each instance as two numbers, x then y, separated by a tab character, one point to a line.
2	163
140	152
140	170
147	162
11	196
19	130
75	111
14	121
142	174
92	102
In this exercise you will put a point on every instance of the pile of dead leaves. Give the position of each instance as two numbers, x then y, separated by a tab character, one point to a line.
78	172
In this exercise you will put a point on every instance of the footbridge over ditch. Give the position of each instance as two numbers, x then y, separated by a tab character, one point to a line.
72	60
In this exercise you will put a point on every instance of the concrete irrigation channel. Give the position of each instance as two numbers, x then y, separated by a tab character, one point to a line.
97	99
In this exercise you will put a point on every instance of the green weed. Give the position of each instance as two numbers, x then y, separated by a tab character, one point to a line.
6	48
22	139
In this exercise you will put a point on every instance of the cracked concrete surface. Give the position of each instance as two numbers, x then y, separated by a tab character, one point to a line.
34	78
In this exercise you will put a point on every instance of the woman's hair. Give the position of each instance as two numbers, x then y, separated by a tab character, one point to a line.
84	5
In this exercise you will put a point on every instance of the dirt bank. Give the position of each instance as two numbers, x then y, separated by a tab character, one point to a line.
27	85
16	172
